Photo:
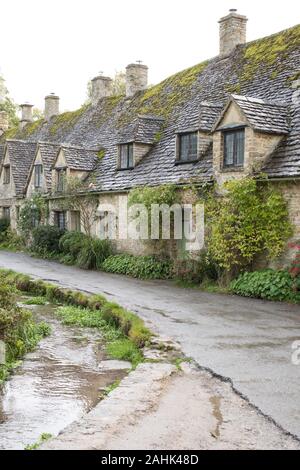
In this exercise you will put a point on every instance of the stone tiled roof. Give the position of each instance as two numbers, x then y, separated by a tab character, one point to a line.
49	152
285	160
264	116
143	129
79	158
21	155
263	69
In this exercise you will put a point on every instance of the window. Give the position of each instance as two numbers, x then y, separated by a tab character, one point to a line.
61	178
6	213
126	156
60	219
188	147
75	221
234	146
6	174
38	171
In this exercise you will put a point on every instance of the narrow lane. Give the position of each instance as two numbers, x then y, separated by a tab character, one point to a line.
249	341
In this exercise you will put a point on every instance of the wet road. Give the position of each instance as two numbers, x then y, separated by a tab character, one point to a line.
248	341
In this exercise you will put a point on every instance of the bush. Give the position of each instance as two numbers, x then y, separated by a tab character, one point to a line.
46	239
142	267
250	219
4	224
84	251
196	270
266	284
17	328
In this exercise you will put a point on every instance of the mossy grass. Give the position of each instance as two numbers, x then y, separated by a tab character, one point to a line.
43	438
36	300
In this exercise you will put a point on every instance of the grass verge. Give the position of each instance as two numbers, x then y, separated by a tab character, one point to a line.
125	332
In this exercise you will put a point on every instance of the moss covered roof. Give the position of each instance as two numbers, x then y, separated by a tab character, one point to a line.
263	69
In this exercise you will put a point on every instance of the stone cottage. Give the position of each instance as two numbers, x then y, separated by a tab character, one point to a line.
234	115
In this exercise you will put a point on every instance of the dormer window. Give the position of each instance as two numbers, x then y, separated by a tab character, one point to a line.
126	156
61	179
187	147
38	172
234	148
6	174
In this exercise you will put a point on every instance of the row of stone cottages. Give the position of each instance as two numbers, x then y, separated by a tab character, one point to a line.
233	115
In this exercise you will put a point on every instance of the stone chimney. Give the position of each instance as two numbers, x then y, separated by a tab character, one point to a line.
136	78
3	122
51	106
232	31
26	116
101	88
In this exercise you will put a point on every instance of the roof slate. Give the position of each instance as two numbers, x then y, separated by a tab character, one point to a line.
264	116
190	99
21	155
49	152
79	158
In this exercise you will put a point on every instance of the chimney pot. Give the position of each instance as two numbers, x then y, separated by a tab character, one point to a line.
136	78
26	114
51	106
232	31
101	88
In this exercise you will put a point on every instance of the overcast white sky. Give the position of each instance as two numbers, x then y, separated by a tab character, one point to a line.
58	45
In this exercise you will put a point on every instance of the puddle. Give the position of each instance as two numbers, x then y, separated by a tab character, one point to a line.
55	384
216	406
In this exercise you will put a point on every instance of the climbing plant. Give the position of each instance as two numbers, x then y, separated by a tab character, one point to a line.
33	212
249	219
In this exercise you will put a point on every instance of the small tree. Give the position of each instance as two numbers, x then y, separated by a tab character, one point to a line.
78	198
250	219
33	212
7	104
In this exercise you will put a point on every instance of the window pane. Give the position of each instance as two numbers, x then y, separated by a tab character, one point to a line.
240	147
184	147
188	146
130	155
193	146
229	148
123	160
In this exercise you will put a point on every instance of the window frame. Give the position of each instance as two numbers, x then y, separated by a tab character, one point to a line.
234	132
57	220
6	174
194	157
60	179
38	176
129	157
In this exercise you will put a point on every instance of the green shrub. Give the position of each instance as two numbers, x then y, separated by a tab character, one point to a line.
84	251
70	244
18	330
142	267
196	270
46	239
266	284
4	225
93	253
250	219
